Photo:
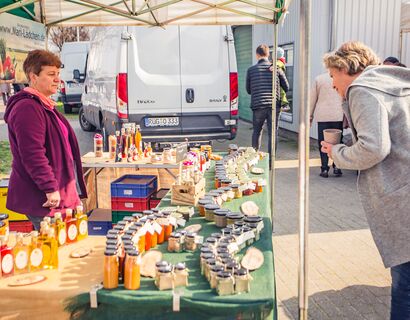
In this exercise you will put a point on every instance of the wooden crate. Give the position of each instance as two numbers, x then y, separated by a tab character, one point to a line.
187	194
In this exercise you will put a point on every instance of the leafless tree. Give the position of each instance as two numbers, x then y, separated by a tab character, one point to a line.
59	35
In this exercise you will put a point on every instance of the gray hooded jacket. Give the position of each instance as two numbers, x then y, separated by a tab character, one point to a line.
378	110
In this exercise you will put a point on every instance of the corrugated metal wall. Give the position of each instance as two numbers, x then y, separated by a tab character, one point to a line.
243	49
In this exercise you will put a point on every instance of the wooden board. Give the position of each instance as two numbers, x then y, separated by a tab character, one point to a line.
187	194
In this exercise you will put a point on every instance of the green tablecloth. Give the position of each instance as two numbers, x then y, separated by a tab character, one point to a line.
198	301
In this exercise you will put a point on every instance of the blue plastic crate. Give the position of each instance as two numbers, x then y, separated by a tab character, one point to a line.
134	186
99	222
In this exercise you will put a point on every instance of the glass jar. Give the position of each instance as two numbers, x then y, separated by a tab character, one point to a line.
208	265
248	191
201	205
232	265
174	242
181	275
98	145
242	280
237	192
164	279
258	186
212	242
237	233
256	223
239	224
203	259
111	269
226	183
226	231
190	244
132	277
213	274
161	221
225	284
160	264
250	239
220	217
229	192
234	216
209	211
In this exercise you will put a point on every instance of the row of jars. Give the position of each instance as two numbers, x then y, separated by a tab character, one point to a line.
168	276
182	241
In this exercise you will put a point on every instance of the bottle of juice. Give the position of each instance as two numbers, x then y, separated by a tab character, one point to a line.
7	258
36	252
138	141
50	250
21	254
43	230
60	229
71	225
82	223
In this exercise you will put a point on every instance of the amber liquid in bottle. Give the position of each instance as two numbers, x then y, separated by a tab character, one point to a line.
21	253
36	252
60	229
71	225
50	251
82	223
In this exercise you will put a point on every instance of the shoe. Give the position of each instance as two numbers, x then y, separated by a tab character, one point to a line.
324	174
337	172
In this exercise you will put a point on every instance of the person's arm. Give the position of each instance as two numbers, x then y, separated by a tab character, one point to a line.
283	81
370	120
30	130
314	94
248	82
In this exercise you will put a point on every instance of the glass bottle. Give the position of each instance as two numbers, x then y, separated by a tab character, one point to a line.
7	258
21	254
36	252
110	280
60	229
82	223
112	143
118	148
132	277
50	250
71	225
138	140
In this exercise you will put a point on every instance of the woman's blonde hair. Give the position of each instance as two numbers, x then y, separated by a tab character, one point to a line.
353	57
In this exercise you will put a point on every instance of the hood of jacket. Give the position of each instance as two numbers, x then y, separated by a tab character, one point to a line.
16	98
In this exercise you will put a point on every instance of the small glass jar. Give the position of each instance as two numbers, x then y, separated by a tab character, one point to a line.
212	242
245	230
190	244
208	265
213	274
161	221
159	265
174	242
132	277
232	217
237	233
232	148
206	248
258	186
203	259
248	191
229	193
242	280
225	284
220	217
225	183
167	225
111	269
181	275
98	145
216	235
226	231
185	213
239	224
201	205
164	278
209	211
256	223
147	212
237	192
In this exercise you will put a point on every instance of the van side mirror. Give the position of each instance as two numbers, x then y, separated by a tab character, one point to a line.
76	74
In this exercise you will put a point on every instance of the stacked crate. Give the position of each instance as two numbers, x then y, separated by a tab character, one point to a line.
131	193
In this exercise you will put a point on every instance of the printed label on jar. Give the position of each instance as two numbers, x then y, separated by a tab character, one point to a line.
62	237
181	222
149	228
7	263
248	235
251	186
243	187
83	227
173	221
21	259
157	227
36	257
72	232
199	239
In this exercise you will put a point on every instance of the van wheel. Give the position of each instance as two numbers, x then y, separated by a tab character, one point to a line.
84	124
68	109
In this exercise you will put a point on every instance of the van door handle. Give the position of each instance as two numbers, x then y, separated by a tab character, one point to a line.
189	95
85	89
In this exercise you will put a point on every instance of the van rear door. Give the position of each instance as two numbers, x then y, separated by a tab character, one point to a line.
154	81
205	79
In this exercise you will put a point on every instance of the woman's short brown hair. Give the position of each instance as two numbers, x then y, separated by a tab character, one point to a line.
353	57
37	59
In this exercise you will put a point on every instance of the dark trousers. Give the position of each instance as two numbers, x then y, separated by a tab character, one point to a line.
259	117
35	221
324	159
400	292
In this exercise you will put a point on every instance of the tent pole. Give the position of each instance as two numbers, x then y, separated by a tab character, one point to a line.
304	136
274	124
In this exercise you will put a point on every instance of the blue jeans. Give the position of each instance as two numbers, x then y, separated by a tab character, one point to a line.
35	221
400	292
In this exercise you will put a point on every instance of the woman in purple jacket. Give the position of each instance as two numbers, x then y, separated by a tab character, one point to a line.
46	171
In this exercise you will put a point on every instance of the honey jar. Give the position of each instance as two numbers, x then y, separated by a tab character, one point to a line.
209	211
225	284
220	217
242	280
111	269
132	277
201	204
190	244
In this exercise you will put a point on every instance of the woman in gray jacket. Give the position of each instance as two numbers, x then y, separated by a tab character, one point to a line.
377	106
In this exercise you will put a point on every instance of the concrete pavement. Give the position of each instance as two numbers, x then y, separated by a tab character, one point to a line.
346	277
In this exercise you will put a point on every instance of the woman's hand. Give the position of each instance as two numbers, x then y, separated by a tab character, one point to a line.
327	148
53	200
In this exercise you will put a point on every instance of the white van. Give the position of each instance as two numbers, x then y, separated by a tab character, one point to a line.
73	56
176	83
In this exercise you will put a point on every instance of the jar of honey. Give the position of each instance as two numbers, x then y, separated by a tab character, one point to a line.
190	244
132	277
237	192
201	205
209	211
174	242
111	269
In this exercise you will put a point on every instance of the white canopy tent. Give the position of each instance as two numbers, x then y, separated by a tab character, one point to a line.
206	12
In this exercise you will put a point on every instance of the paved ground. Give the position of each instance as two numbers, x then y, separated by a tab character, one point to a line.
347	278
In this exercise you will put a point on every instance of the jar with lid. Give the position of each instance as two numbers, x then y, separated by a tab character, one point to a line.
167	225
242	280
209	211
258	186
250	239
213	274
224	258
225	284
237	192
136	216
181	275
164	279
190	244
229	193
201	204
226	231
161	221
216	235
234	216
212	242
249	188
174	242
98	145
206	248
209	263
132	277
203	259
232	265
226	183
256	223
216	199
239	224
4	224
160	264
220	217
140	235
111	269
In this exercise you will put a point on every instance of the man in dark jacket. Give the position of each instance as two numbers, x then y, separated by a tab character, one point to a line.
259	86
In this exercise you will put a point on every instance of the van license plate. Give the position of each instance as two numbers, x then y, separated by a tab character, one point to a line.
162	122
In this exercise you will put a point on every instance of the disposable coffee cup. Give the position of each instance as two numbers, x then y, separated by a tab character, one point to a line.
332	136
